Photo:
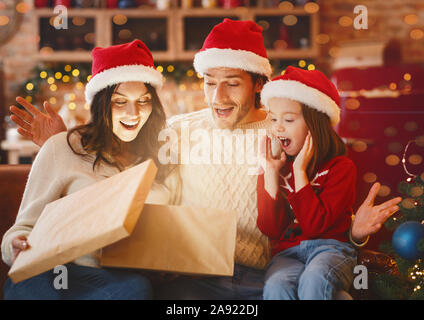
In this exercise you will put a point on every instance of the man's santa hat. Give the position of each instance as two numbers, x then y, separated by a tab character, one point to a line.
121	63
310	87
234	44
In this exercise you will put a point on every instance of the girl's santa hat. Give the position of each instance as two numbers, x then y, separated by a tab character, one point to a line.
310	87
234	44
121	63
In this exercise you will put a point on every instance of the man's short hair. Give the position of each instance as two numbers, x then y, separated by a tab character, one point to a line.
255	78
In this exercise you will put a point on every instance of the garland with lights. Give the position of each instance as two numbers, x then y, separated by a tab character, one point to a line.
407	246
50	76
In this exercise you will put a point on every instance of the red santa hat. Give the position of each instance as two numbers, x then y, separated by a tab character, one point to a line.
310	87
234	44
121	63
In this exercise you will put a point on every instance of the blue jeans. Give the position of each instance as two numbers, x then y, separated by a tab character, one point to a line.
313	270
246	284
84	283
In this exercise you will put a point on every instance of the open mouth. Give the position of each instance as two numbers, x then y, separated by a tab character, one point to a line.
285	142
129	125
224	113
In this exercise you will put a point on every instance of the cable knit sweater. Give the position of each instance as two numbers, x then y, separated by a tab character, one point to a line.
56	172
224	186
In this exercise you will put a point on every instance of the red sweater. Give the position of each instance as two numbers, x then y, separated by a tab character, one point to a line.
320	210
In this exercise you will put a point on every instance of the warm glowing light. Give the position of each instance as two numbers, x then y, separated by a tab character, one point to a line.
4	20
23	7
302	63
416	34
50	80
58	75
392	160
29	86
411	19
170	68
290	20
285	5
384	191
322	38
369	177
43	74
159	68
78	21
311	7
75	72
120	19
345	21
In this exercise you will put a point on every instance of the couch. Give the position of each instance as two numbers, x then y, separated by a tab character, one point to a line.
12	184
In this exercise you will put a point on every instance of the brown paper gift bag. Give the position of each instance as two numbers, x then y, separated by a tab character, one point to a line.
178	239
85	221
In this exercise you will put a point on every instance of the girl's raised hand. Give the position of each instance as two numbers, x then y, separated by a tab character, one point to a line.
305	155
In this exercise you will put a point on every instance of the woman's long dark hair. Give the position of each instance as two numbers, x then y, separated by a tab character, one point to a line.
97	136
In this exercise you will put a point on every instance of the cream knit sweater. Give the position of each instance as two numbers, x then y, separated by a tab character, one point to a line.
224	186
57	172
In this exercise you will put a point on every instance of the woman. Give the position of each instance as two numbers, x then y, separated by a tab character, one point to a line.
126	117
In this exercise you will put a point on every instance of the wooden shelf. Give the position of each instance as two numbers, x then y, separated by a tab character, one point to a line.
175	30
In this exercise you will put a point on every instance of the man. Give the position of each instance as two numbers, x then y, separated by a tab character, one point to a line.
235	66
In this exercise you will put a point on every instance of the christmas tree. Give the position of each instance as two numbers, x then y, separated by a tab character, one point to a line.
407	245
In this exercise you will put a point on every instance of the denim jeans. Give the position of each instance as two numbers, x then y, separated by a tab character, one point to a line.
313	270
246	284
84	283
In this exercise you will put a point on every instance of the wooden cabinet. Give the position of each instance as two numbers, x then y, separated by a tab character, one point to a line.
172	35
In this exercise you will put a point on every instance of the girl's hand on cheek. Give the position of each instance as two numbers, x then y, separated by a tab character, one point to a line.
305	155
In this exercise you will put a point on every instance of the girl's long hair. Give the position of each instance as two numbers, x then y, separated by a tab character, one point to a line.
98	139
326	142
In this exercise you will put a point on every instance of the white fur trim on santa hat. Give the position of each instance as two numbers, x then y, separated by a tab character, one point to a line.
229	58
300	92
122	74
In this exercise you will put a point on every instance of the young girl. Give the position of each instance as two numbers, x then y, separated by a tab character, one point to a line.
126	117
305	195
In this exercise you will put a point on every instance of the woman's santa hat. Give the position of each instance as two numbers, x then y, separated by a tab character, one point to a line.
121	63
310	87
234	44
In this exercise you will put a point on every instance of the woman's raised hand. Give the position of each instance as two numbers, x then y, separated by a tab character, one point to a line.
34	124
